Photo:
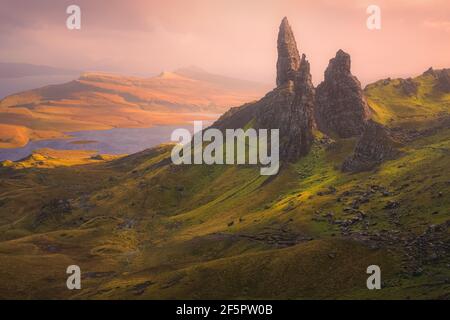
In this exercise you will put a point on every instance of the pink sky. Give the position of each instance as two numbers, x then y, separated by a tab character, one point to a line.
231	37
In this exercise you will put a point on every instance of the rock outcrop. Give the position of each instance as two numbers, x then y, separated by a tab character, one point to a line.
341	108
375	146
288	62
443	79
408	87
289	107
430	72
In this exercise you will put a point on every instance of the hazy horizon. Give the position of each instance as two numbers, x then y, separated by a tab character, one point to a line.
231	38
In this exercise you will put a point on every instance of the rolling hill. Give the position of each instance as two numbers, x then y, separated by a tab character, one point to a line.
412	102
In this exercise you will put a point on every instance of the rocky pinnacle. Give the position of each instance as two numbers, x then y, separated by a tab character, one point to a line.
341	108
288	108
288	57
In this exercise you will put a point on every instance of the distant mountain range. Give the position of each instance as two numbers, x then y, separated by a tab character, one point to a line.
18	77
102	101
17	70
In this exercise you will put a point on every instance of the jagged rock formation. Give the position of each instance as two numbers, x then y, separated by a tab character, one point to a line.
444	80
341	108
288	62
430	72
374	147
289	107
408	86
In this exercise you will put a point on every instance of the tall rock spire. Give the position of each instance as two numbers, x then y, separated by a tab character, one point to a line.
341	108
288	57
288	108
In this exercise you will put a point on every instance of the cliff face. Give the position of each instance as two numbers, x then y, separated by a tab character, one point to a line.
289	107
408	86
444	80
340	105
374	147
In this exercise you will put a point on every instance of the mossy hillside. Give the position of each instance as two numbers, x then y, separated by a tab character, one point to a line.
301	272
392	107
141	227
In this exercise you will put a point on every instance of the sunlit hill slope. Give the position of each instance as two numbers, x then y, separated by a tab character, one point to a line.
140	227
104	101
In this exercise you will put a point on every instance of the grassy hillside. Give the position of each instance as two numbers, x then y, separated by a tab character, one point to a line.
140	227
393	103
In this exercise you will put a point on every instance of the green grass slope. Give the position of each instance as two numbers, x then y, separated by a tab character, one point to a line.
392	106
142	228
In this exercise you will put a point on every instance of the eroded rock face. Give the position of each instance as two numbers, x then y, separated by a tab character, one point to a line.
341	108
289	107
430	72
408	86
444	80
374	147
288	62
